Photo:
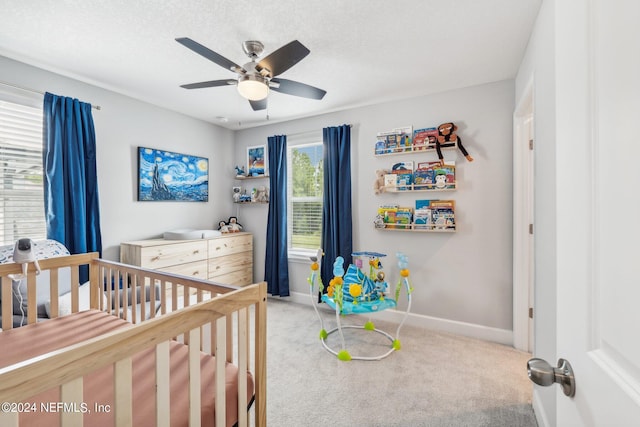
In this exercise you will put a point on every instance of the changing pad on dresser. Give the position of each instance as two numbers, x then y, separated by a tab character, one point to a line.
190	234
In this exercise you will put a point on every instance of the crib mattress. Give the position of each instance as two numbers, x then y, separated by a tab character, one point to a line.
29	341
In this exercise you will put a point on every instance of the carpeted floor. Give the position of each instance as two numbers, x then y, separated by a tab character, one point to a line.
437	379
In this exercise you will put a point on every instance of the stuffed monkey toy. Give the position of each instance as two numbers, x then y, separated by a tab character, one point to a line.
446	138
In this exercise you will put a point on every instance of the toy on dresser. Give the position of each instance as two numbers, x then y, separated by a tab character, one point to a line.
230	226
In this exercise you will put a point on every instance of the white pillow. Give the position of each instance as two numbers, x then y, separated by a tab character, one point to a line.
64	302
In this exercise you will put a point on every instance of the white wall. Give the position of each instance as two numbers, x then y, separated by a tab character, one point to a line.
538	66
121	126
462	277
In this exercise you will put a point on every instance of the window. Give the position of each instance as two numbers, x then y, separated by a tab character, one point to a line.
21	180
304	198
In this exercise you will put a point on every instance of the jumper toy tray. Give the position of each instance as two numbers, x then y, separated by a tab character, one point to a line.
355	292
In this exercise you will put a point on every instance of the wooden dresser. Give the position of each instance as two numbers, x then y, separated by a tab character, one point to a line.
226	259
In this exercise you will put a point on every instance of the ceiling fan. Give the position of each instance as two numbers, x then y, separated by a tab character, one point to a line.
255	79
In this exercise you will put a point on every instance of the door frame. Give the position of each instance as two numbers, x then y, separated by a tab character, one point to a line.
523	250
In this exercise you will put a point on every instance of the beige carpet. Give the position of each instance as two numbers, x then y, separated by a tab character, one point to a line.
436	379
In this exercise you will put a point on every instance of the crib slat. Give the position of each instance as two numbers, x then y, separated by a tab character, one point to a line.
174	297
163	297
133	292
75	282
116	294
230	337
152	298
194	379
105	282
7	304
123	399
53	292
71	392
163	401
125	295
260	351
96	291
243	363
32	312
221	344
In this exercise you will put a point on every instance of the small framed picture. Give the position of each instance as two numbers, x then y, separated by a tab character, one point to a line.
257	162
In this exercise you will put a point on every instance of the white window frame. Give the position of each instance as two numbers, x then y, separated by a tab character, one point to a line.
299	141
21	100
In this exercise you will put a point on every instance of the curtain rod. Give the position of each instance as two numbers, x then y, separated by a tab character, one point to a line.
309	132
97	107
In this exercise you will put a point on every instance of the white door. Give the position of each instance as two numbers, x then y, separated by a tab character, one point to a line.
598	200
523	248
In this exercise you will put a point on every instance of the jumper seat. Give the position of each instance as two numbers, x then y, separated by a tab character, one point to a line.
358	293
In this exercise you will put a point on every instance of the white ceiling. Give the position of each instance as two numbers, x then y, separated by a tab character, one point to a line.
362	51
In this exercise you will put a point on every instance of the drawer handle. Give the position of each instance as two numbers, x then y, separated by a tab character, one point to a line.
155	258
197	251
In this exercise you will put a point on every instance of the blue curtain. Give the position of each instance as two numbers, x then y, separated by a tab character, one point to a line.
276	269
336	212
70	179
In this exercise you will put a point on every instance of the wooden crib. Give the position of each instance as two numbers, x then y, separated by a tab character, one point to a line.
110	366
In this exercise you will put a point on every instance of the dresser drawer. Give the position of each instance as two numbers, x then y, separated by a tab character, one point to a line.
228	245
236	278
227	259
230	263
157	257
196	269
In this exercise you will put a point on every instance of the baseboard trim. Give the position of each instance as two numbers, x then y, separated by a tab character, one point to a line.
501	336
538	410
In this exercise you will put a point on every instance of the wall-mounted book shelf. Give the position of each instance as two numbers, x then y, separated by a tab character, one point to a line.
240	196
418	188
427	216
241	177
251	203
411	149
415	228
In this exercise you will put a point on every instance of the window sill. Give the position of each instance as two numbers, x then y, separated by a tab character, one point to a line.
301	255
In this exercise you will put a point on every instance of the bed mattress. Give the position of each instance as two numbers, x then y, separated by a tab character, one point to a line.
29	341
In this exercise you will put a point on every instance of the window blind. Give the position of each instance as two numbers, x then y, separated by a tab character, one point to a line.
21	179
305	187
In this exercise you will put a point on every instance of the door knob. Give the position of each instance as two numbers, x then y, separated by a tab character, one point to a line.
541	373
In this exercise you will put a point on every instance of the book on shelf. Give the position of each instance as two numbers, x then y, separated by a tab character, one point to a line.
406	136
381	146
434	176
424	139
443	214
394	216
422	219
395	141
404	173
390	180
435	214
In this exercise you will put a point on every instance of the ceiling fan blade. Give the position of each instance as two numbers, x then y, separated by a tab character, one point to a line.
208	53
259	105
210	83
298	89
284	58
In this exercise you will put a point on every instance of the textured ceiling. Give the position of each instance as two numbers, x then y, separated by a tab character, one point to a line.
362	51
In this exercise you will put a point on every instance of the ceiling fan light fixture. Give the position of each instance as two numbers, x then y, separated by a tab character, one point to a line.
253	87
